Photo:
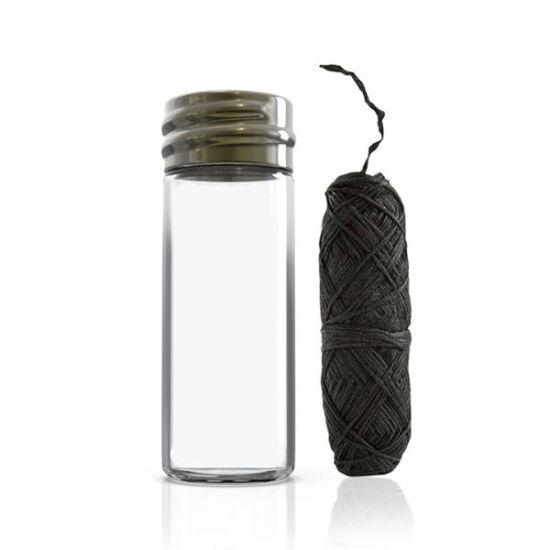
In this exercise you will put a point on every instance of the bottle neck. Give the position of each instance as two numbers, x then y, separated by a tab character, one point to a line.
230	172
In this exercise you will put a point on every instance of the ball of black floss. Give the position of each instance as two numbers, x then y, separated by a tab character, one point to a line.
365	311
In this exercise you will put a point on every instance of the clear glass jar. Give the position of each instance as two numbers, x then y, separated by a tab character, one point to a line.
228	323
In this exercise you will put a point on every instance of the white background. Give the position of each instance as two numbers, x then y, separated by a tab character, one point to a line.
466	88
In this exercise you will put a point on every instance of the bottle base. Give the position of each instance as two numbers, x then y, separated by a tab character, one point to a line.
228	475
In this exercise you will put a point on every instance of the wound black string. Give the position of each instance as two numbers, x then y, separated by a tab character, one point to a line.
365	310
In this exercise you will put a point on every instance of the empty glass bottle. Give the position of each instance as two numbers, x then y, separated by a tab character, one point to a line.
228	296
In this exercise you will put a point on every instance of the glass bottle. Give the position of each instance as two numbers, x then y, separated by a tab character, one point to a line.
228	288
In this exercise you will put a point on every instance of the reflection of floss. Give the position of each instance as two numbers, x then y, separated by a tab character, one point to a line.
370	513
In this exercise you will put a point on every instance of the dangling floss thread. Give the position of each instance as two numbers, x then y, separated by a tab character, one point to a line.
365	311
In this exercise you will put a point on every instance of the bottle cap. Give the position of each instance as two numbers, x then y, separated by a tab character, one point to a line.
228	127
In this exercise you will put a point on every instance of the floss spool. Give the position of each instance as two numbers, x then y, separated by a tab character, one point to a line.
365	311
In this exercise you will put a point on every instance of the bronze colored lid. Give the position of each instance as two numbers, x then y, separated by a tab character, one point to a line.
228	127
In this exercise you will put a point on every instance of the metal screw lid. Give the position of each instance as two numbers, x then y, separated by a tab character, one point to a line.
228	127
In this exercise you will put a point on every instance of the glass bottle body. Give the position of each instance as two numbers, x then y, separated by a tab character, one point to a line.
228	324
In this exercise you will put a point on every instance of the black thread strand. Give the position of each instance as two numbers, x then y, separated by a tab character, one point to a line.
365	311
379	113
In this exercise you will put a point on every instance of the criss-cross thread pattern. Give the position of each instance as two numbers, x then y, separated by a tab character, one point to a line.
365	310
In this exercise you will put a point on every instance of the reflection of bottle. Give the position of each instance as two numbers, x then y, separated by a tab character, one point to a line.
370	513
228	336
239	517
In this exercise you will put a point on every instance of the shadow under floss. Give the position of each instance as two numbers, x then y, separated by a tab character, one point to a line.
370	512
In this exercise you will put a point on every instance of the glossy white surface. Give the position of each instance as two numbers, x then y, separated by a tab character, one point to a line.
111	507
